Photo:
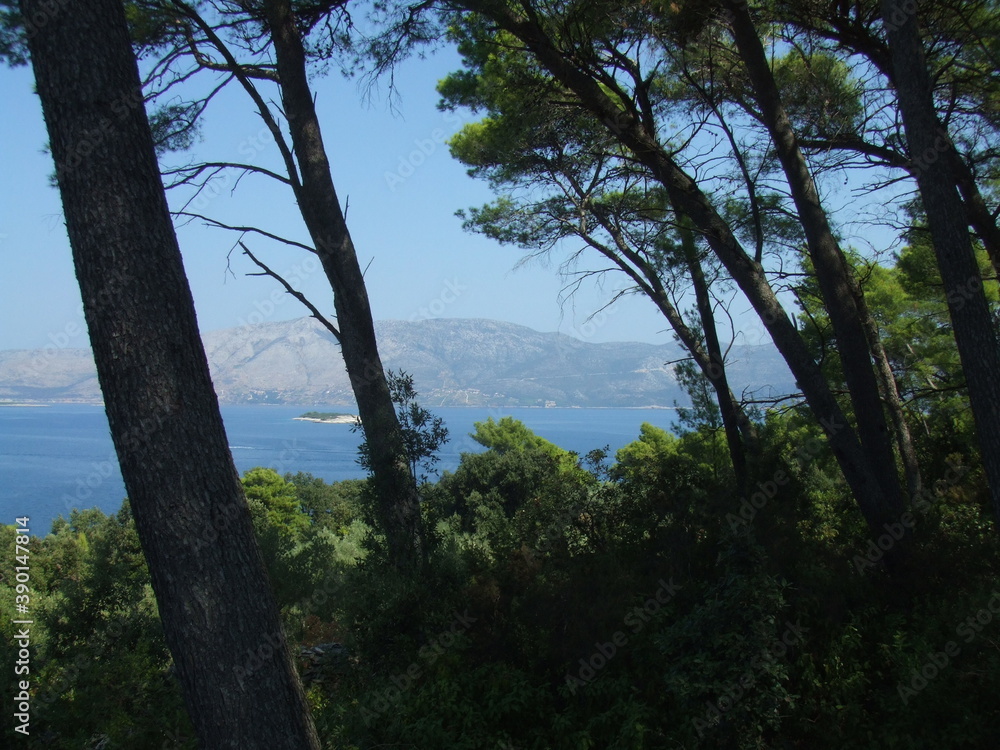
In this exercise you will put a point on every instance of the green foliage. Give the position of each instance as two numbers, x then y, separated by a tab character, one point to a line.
675	483
819	93
651	451
704	410
300	544
274	505
175	126
510	492
729	655
539	571
334	506
13	44
510	435
101	671
908	304
423	433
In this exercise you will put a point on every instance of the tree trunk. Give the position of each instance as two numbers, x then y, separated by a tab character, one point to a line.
684	193
218	613
975	329
395	487
865	41
833	273
740	432
709	359
889	390
980	218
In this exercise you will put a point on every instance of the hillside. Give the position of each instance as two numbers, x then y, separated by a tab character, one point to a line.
454	362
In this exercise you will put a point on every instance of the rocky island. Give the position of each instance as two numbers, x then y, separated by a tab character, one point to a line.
327	417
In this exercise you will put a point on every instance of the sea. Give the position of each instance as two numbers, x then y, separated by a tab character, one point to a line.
58	457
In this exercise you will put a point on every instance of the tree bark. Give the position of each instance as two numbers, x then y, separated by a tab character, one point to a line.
219	616
836	282
862	39
981	220
395	487
708	357
889	389
740	432
975	329
685	194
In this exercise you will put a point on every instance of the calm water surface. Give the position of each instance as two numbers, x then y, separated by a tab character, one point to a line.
55	458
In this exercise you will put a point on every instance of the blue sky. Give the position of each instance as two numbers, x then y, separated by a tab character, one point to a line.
392	169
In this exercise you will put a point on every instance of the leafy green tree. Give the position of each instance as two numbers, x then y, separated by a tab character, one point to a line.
597	71
961	54
913	311
423	433
511	435
665	474
334	506
301	549
842	295
653	447
496	483
280	527
560	176
105	674
274	504
508	491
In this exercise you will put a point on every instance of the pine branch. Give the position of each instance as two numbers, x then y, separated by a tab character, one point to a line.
292	291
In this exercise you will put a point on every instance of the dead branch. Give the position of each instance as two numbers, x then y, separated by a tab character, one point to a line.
292	291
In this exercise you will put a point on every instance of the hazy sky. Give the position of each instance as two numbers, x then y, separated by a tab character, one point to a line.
393	171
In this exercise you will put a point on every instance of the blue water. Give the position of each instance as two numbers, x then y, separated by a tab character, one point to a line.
56	458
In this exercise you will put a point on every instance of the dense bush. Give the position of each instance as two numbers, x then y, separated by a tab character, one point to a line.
568	604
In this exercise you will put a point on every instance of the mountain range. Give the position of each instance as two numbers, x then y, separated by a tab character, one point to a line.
453	361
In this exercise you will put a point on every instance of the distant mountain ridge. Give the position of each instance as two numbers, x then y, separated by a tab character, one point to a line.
454	362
